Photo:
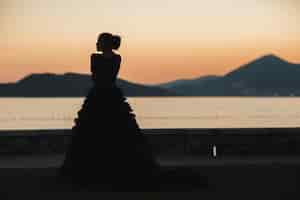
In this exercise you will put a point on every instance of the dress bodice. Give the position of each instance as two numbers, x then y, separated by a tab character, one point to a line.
105	70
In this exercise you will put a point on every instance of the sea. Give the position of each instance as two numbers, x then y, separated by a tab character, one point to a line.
159	112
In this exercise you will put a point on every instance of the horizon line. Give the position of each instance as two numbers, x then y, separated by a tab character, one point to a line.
158	83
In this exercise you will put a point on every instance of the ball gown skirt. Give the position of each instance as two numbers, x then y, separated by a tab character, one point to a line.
107	144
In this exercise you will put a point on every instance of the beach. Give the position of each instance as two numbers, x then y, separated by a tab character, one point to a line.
29	176
240	176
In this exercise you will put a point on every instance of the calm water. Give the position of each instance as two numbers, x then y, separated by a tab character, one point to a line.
197	112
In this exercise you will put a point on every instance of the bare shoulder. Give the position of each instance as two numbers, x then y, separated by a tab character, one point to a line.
95	55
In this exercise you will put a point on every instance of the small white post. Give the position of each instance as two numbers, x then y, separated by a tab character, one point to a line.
214	151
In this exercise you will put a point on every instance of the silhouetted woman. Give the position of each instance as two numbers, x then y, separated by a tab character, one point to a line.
107	145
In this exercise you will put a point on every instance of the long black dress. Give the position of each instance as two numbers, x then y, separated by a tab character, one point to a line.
107	144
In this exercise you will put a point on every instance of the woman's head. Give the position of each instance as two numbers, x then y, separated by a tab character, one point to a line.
108	42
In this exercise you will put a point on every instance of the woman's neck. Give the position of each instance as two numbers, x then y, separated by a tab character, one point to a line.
108	53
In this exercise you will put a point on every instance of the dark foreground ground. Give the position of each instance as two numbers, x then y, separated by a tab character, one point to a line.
263	178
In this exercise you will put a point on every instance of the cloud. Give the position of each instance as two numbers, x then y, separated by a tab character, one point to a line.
6	7
7	16
286	3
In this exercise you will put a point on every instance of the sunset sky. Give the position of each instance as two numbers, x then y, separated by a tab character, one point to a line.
163	40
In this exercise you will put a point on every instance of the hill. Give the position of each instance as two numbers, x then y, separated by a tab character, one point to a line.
266	76
187	86
69	85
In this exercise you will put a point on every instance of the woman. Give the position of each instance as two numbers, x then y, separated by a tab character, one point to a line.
107	145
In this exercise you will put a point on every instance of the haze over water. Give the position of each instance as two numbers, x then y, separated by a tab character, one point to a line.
161	112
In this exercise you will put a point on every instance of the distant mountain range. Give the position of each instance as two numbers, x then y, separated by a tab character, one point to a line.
266	76
187	86
70	85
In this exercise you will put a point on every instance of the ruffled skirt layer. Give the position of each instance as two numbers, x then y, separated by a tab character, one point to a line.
107	144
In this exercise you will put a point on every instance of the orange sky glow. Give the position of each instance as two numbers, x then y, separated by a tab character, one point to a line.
162	40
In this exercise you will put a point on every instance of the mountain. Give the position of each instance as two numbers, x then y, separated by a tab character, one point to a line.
70	85
189	86
266	76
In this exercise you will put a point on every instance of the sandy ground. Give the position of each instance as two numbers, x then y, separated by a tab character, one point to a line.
53	161
34	177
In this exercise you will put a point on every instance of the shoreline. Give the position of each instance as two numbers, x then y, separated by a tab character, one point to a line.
230	176
210	143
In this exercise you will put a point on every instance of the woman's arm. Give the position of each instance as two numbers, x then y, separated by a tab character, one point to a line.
116	68
93	66
110	74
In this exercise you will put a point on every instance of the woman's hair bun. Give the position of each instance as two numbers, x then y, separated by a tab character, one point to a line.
109	41
116	42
